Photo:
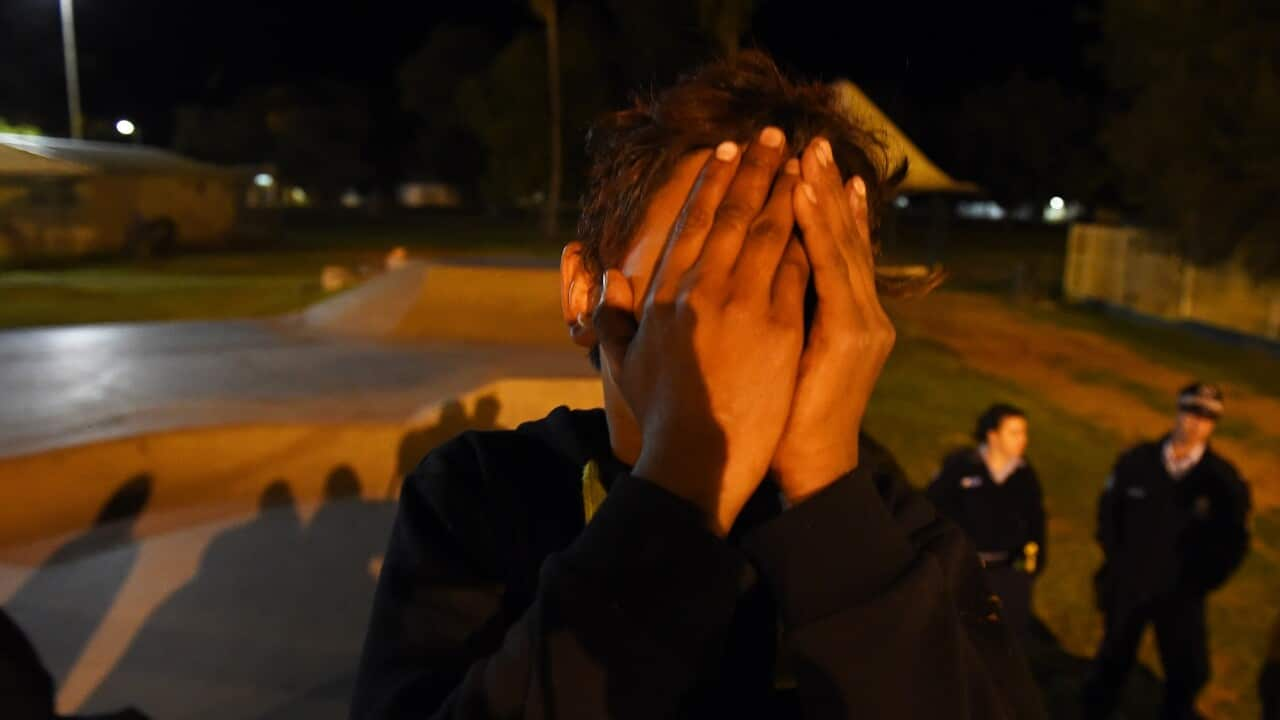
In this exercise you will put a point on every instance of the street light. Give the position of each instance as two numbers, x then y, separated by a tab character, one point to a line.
125	127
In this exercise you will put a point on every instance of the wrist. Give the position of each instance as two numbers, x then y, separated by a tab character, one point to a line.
689	483
802	481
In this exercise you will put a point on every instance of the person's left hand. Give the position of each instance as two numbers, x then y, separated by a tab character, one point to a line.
850	339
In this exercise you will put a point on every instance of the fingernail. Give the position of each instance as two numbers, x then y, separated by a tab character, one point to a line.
859	187
826	152
821	154
809	193
726	150
772	137
792	167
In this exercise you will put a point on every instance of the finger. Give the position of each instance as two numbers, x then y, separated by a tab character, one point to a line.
856	189
767	238
827	264
819	169
791	280
614	319
743	200
684	242
863	268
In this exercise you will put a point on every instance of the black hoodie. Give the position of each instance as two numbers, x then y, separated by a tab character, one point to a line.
495	600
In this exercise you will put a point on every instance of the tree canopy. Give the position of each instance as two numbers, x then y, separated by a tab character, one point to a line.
1195	138
479	101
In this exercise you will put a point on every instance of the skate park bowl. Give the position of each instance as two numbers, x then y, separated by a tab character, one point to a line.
227	568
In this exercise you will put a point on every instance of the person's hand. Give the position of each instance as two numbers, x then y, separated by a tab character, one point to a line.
710	369
850	338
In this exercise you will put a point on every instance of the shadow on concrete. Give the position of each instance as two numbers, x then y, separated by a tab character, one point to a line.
1061	676
271	624
53	597
453	420
276	611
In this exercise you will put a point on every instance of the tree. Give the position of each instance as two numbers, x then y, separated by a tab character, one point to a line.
1025	140
546	9
1195	139
505	106
445	147
314	134
724	21
486	113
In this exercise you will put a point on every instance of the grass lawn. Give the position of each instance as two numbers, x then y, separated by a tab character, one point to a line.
925	405
1169	344
281	277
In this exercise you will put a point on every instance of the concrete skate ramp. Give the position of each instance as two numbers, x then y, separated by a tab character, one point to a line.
501	301
202	473
222	572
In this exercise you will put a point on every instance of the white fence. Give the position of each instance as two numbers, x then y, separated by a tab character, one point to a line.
1131	268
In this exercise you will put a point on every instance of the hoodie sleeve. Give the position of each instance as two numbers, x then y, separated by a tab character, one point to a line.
621	622
885	610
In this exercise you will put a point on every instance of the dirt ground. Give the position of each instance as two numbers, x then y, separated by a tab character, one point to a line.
1127	391
1059	362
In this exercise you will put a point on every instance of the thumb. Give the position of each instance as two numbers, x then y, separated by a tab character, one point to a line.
614	319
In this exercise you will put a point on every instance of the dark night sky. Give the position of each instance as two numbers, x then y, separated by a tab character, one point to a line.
140	58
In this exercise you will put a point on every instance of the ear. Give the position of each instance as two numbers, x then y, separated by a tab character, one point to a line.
577	289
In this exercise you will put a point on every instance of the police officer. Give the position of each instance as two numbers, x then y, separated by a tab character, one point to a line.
1172	525
992	493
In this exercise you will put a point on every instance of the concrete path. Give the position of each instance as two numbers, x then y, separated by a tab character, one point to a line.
248	618
74	385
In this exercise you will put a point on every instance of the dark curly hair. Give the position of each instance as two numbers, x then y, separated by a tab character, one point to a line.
631	153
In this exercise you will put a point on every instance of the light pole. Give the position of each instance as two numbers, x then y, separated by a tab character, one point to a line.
73	72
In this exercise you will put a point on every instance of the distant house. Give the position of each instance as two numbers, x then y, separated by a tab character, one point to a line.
72	198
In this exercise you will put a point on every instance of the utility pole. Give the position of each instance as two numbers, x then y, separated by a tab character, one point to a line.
72	68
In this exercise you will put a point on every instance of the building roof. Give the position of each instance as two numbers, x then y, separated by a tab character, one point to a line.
923	176
37	155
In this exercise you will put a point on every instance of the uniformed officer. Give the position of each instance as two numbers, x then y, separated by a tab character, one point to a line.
993	494
1172	525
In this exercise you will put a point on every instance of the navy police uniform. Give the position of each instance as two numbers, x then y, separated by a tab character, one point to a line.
1166	543
1005	521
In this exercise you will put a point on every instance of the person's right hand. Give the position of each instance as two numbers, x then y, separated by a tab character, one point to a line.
710	369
